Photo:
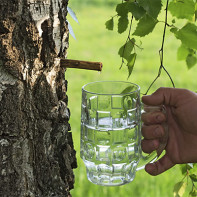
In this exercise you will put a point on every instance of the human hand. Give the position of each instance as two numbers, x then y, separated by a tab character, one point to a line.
181	109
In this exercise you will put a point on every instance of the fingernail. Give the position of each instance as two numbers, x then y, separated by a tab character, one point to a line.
156	144
159	118
157	132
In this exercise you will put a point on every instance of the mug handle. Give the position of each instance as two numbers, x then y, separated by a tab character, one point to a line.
150	158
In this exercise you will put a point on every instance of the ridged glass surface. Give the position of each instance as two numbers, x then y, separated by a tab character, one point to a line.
110	135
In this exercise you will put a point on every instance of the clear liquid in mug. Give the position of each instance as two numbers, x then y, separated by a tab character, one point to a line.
111	155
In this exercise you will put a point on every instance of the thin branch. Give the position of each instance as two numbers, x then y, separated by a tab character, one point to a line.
167	24
159	72
161	52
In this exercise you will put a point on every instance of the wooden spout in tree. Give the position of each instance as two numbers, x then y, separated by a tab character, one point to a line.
68	63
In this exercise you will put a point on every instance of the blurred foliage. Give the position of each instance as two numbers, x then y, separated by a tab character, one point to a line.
146	15
81	3
95	43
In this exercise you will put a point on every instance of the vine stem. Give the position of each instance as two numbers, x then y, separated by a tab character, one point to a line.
161	52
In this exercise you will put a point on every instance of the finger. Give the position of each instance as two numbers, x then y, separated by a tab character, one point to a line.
159	166
149	146
166	96
148	108
164	140
152	131
153	117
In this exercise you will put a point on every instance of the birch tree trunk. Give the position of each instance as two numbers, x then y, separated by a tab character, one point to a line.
36	150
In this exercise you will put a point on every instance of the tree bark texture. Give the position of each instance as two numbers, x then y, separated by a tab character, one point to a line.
37	156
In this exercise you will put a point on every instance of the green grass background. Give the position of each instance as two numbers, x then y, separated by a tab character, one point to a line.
95	43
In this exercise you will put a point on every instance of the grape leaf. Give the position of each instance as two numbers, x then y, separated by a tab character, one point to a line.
110	24
152	7
136	10
122	24
191	61
126	49
145	26
131	63
182	52
187	35
179	189
121	9
182	9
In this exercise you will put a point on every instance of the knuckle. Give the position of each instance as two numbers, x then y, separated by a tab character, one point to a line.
148	145
158	131
159	117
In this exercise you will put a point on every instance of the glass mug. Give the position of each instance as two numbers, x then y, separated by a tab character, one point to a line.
111	132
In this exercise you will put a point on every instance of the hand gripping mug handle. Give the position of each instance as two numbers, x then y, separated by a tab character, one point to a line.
149	158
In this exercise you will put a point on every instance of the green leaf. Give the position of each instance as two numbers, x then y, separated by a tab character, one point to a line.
123	21
193	177
131	63
127	90
185	168
188	35
145	26
191	61
193	192
122	24
110	24
195	15
136	10
179	189
174	30
195	164
126	49
152	7
182	9
193	169
182	52
121	9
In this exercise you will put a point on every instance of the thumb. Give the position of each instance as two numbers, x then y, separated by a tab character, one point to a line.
162	96
159	166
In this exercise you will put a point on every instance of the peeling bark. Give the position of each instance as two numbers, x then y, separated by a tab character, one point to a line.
37	156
